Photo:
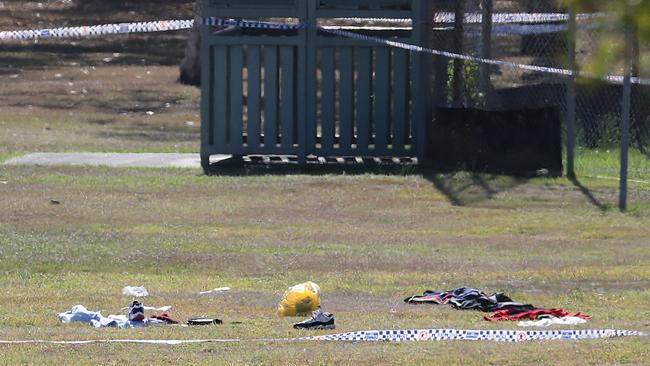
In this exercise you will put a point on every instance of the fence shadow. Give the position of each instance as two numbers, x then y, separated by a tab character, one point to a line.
460	188
469	188
588	194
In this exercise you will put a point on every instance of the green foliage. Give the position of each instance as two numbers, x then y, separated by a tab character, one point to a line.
610	51
632	12
470	85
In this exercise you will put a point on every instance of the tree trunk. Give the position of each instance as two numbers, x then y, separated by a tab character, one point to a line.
191	64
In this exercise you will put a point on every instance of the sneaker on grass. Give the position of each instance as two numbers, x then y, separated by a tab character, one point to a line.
319	320
136	311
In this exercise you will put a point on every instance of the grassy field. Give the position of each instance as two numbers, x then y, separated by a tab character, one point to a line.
369	239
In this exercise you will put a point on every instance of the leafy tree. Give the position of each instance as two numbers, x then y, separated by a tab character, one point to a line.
635	13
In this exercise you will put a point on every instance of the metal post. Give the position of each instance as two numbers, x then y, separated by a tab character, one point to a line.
457	79
625	127
440	66
571	97
422	82
486	49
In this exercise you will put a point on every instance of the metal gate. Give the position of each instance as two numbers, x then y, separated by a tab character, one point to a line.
309	93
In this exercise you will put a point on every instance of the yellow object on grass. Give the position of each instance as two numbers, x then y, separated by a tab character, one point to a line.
300	299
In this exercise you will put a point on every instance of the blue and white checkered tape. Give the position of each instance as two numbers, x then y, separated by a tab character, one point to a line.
213	21
170	25
412	335
474	335
98	30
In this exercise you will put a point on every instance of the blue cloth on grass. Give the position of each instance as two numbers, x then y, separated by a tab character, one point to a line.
79	313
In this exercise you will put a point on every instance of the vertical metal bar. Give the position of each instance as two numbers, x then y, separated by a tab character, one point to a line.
400	117
486	49
207	92
302	75
382	100
625	128
328	100
287	98
440	65
236	98
221	96
311	82
363	102
571	97
420	80
270	97
459	32
346	99
253	96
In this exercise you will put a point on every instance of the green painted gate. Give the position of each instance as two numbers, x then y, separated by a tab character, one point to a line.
308	93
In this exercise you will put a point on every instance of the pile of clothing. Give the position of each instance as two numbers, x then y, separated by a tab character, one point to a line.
134	318
503	307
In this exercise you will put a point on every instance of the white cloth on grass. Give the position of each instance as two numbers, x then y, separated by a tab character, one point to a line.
79	313
545	322
215	291
136	291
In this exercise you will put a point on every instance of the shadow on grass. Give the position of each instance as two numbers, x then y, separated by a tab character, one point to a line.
588	194
467	188
134	50
461	188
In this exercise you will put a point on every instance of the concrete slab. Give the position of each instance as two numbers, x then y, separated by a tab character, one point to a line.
118	160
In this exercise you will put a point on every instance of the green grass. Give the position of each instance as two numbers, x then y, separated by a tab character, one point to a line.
4	156
368	241
607	163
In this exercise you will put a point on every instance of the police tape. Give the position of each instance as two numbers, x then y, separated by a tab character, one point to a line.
501	63
98	30
214	21
501	18
413	335
477	335
173	25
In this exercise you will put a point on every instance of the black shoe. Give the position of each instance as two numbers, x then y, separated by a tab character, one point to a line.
136	311
319	320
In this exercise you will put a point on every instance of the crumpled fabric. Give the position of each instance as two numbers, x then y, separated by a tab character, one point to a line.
545	322
469	298
466	298
135	291
510	314
80	314
430	297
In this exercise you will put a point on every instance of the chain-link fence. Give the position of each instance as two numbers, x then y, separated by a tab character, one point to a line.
539	33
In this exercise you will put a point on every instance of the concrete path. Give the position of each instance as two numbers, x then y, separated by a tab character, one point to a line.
145	160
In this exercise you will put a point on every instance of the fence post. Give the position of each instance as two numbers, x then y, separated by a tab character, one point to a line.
422	82
571	97
626	106
439	41
457	80
486	49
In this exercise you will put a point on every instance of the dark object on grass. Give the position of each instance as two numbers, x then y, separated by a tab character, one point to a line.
165	317
466	298
319	320
204	321
55	202
514	142
136	311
